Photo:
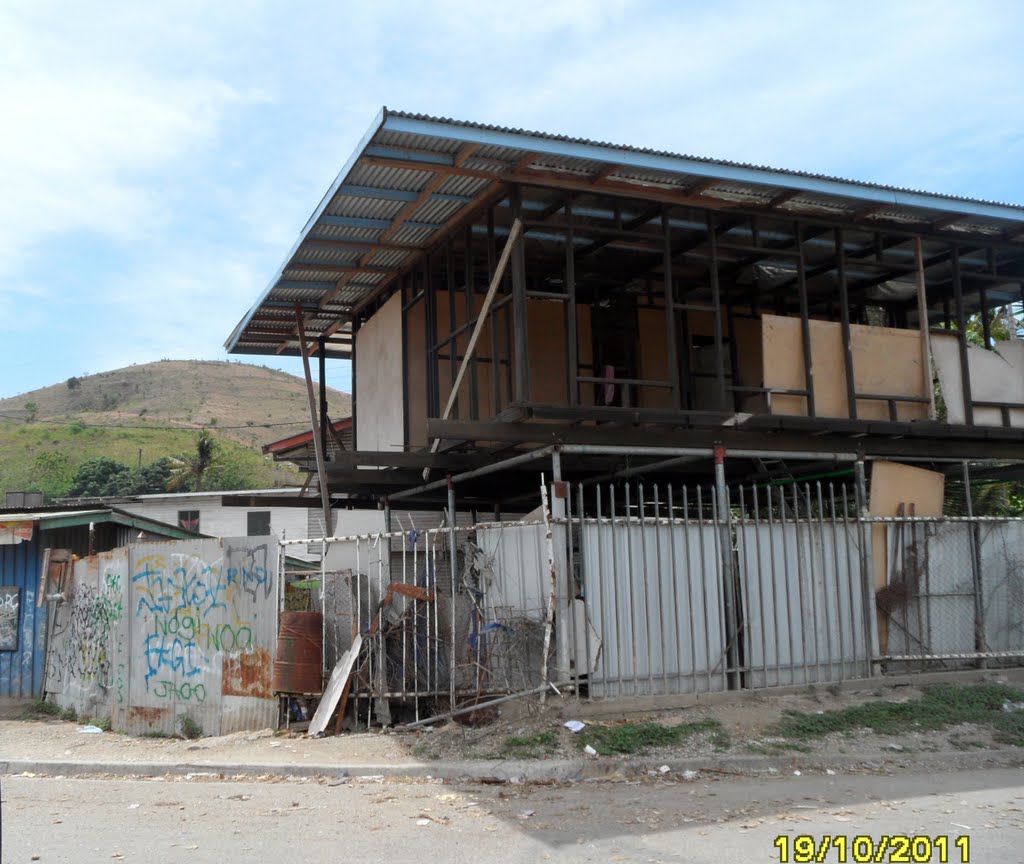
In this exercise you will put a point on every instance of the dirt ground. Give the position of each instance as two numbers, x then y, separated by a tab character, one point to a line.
745	720
521	730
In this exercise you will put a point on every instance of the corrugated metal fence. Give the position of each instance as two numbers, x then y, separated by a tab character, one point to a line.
155	631
22	625
647	591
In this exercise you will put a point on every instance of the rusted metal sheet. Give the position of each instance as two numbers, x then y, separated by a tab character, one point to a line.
248	674
300	653
159	631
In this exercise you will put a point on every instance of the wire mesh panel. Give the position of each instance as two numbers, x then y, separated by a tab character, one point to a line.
1002	585
512	573
928	602
953	592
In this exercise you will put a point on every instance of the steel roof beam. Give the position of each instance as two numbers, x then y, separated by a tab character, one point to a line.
324	266
356	244
355	222
405	154
384	193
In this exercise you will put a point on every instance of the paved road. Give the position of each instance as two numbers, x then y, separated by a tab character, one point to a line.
709	820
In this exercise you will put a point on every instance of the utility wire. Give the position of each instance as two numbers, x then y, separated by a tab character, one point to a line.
155	426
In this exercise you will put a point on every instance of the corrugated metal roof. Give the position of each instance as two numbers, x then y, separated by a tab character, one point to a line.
565	139
384	197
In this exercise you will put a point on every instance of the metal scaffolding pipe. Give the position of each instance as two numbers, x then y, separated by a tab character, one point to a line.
707	452
483	470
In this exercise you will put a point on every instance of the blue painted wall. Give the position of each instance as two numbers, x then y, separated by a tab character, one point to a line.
22	671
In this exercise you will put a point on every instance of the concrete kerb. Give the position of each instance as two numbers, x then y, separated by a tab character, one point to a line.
527	771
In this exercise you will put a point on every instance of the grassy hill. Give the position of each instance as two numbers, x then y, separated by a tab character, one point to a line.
158	409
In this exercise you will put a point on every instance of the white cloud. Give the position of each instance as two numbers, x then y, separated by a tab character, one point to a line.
93	131
159	159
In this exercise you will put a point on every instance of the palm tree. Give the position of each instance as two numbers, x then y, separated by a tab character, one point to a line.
187	471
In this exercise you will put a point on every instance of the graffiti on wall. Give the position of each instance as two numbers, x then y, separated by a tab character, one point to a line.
10	606
191	609
162	629
82	628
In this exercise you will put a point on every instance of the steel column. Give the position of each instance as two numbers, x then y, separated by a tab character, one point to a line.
728	569
520	312
961	326
844	312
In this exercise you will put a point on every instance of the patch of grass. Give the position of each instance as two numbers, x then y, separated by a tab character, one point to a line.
530	746
42	708
69	714
155	733
99	722
638	737
721	740
424	751
189	728
938	708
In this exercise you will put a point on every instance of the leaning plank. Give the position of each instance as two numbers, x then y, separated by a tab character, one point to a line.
492	289
339	679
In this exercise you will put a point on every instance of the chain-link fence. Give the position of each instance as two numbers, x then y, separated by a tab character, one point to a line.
950	591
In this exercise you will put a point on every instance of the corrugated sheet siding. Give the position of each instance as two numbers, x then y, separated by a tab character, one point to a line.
22	670
164	630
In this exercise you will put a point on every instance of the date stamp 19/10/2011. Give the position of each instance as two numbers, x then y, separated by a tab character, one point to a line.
864	849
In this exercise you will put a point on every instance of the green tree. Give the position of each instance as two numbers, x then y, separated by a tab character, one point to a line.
32	409
189	470
1004	322
229	472
74	383
52	473
101	476
153	478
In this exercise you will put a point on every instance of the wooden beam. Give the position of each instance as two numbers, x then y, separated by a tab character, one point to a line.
485	198
440	175
924	327
510	245
325	497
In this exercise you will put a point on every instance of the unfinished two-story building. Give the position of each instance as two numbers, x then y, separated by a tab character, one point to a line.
617	298
516	302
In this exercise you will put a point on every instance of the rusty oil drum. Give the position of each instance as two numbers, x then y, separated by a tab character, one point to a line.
300	653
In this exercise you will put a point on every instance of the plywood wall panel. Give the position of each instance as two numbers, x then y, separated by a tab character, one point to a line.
548	347
653	358
886	361
380	418
997	376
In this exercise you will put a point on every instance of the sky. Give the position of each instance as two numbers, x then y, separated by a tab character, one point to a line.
158	160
